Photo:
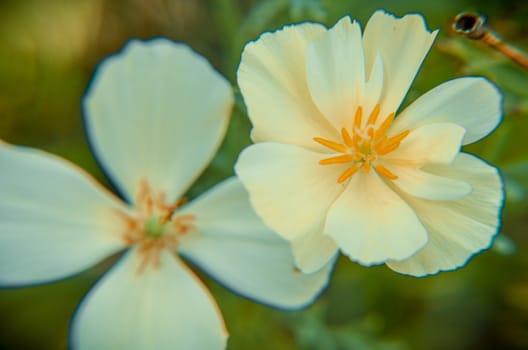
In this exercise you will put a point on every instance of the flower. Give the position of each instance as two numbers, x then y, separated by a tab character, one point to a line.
335	165
155	115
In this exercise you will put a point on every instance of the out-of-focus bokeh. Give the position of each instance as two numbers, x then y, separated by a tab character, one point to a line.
48	52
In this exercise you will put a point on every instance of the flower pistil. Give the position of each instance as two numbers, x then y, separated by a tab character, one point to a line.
364	145
153	227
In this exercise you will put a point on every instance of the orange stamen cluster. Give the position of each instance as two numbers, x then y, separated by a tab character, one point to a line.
365	144
154	228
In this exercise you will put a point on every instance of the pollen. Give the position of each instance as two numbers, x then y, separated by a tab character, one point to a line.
154	226
364	145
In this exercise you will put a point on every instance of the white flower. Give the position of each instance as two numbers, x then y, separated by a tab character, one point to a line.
155	114
333	168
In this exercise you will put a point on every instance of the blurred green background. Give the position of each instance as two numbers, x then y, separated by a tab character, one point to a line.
48	52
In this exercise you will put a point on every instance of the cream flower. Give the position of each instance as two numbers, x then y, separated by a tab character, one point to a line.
155	114
333	167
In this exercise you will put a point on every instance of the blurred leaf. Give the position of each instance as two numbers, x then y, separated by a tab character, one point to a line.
516	181
504	245
519	168
497	143
260	16
515	191
308	9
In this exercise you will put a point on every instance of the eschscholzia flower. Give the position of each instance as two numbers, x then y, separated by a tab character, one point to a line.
336	165
155	115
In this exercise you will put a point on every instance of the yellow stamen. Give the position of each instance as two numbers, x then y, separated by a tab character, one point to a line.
338	147
366	166
364	144
384	126
349	172
347	138
385	172
357	117
387	148
398	138
355	142
184	223
345	158
153	227
389	145
374	115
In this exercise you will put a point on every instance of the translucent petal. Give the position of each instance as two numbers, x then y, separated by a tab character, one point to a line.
424	185
162	308
55	220
372	224
313	251
157	111
432	143
237	249
335	68
461	228
288	187
471	102
272	73
403	44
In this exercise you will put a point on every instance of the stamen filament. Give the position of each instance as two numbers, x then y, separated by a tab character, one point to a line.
345	158
374	115
398	138
338	147
384	126
152	227
347	138
363	145
385	172
355	142
366	166
357	118
349	172
387	148
389	145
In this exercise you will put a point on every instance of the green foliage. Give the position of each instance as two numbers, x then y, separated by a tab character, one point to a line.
48	51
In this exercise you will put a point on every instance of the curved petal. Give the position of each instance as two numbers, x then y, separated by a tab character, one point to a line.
424	185
272	73
457	229
372	224
403	44
335	68
290	191
162	308
432	143
313	251
373	88
471	102
237	249
55	220
157	111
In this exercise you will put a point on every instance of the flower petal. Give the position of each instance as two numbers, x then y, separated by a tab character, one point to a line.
335	68
272	73
432	143
235	247
290	191
157	111
424	185
471	102
162	308
372	224
403	44
457	229
313	251
55	220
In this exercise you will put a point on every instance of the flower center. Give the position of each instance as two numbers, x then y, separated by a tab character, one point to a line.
364	145
153	228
